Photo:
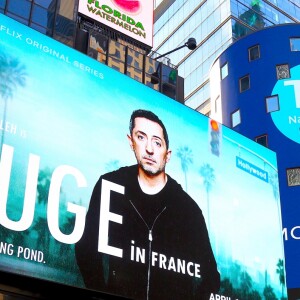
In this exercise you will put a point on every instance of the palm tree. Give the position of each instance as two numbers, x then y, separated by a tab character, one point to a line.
280	272
41	227
269	293
12	75
44	180
246	284
207	173
186	156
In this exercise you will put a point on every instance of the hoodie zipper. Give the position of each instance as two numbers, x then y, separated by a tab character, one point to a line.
150	238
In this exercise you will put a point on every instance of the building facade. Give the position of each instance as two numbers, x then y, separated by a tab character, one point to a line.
61	21
256	92
215	24
54	18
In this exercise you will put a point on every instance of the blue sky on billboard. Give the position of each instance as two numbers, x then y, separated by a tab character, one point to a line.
75	111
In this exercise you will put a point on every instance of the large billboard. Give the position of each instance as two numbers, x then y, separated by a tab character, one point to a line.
133	18
84	198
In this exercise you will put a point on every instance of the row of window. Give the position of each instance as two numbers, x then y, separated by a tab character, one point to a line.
272	102
134	64
50	17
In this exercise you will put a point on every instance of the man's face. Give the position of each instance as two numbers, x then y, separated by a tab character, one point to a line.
149	146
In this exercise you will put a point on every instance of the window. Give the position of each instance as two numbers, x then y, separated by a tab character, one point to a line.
283	71
295	44
20	8
254	53
224	71
262	139
236	118
2	5
293	176
244	83
272	103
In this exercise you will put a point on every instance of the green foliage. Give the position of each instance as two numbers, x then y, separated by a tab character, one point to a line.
12	75
240	285
207	172
186	158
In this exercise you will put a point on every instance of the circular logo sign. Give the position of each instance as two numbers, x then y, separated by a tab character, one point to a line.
287	117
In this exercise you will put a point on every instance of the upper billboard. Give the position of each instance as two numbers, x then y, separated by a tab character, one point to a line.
133	18
84	197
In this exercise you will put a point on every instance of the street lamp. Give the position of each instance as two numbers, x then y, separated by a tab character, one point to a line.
191	44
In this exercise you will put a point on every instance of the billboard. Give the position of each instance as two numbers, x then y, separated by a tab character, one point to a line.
76	210
133	18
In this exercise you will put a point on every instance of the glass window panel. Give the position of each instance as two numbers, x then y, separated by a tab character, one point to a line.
169	74
236	118
135	73
224	71
169	90
244	83
254	53
41	29
19	19
42	17
239	30
135	59
272	103
98	42
2	4
66	8
20	8
116	50
295	44
45	3
151	65
65	40
64	26
101	57
263	140
116	64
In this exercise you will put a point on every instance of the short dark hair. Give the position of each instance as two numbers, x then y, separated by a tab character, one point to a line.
141	113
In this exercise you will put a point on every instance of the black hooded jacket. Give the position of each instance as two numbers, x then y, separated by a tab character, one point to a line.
162	243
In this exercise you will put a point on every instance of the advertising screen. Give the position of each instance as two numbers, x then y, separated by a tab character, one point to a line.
171	205
133	18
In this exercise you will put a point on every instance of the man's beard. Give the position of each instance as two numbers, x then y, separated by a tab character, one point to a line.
151	171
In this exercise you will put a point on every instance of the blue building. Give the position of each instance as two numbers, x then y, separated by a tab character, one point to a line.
255	91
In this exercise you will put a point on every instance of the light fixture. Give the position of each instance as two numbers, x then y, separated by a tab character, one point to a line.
191	44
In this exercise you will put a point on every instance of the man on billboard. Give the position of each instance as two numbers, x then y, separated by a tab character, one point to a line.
152	241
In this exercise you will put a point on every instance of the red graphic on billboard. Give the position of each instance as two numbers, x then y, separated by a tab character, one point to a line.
131	6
